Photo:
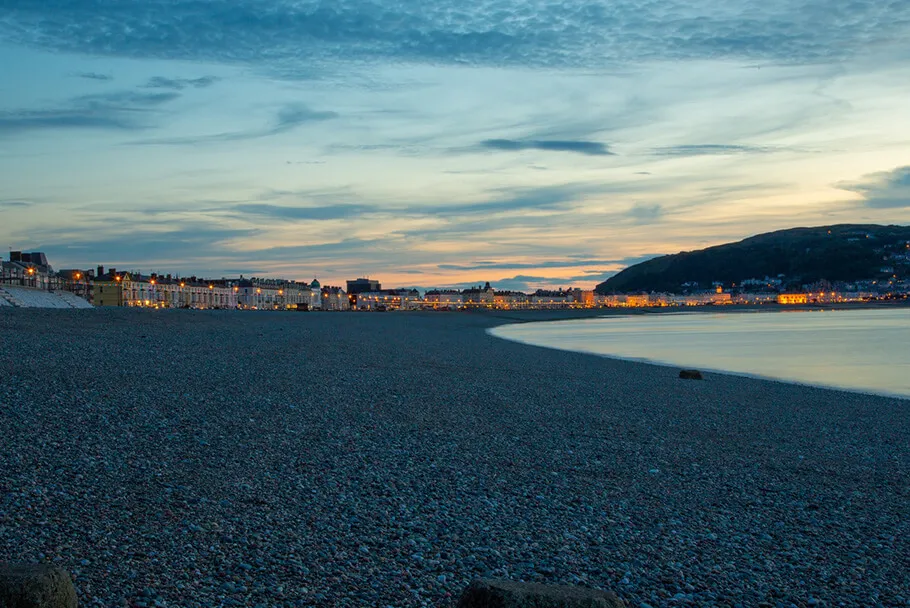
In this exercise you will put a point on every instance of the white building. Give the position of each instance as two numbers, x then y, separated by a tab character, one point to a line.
443	299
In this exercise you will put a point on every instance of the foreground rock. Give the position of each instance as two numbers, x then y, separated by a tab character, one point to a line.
510	594
35	586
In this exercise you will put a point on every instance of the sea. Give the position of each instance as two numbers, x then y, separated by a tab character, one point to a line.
864	350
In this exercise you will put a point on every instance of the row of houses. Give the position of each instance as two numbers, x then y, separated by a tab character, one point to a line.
114	288
488	297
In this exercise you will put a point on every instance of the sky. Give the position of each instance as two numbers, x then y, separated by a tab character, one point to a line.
529	143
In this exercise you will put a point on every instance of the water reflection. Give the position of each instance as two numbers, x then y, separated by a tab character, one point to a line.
866	350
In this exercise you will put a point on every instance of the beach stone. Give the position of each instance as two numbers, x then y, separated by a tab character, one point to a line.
35	586
690	374
510	594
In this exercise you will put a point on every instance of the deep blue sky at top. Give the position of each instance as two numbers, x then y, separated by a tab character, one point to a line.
527	143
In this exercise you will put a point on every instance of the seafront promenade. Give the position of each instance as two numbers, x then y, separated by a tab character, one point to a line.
190	458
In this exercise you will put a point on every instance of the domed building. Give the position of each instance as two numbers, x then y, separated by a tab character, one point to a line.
316	297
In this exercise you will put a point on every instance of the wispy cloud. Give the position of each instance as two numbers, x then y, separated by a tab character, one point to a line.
590	148
141	247
344	248
14	204
178	84
286	119
95	76
479	266
323	212
118	110
12	123
645	214
710	150
588	275
883	190
333	205
292	116
522	199
124	100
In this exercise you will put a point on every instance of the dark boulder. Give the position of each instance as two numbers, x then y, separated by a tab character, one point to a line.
35	586
690	374
510	594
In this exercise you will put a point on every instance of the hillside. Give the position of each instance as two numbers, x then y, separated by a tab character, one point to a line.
844	252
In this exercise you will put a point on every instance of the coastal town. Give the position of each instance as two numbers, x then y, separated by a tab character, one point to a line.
28	280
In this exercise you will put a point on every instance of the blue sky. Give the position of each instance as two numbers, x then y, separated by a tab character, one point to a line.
527	143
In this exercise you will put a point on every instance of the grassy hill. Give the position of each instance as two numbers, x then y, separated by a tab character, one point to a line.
843	252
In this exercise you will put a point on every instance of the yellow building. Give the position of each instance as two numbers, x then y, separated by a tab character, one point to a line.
793	298
107	291
638	300
584	298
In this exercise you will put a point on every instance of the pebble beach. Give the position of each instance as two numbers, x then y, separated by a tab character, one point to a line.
216	458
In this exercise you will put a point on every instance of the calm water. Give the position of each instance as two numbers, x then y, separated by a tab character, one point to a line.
863	350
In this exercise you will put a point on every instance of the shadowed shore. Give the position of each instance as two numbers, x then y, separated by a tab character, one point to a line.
189	458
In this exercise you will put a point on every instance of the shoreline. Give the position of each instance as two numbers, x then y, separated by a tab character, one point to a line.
584	313
710	369
346	460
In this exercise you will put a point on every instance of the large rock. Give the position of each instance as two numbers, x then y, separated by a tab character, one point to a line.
690	374
509	594
35	586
